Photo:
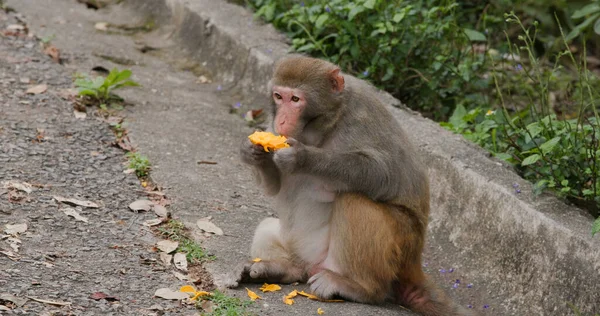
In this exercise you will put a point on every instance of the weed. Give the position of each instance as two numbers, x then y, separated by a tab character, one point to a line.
101	89
226	305
176	231
139	163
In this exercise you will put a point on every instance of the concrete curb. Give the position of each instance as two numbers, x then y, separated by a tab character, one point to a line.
536	251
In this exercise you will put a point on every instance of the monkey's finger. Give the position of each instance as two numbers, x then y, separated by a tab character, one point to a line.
292	141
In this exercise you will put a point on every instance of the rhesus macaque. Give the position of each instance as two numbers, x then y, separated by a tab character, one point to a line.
351	195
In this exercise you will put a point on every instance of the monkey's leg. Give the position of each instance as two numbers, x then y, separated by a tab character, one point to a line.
276	263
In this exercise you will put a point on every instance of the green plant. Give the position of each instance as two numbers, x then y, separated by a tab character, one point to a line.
101	89
417	50
562	155
176	231
139	163
224	305
591	15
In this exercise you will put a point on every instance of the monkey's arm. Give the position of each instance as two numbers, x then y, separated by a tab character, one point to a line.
268	176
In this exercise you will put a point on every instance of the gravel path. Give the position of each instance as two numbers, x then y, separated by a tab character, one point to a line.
44	145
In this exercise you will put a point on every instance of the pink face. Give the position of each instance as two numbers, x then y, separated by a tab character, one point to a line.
290	104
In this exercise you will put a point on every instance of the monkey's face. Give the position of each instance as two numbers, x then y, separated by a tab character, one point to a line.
289	106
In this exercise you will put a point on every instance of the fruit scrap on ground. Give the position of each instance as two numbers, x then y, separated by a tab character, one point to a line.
268	140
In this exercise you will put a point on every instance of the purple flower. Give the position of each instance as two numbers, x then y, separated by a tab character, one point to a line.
302	3
365	73
451	270
470	285
515	185
237	105
457	281
519	67
443	270
327	9
470	306
486	306
219	88
518	191
425	264
269	50
455	285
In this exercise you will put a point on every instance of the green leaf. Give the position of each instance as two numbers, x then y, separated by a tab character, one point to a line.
596	227
549	145
84	83
307	47
321	20
457	117
128	83
588	9
123	75
597	27
399	16
83	91
112	76
369	4
474	36
503	156
531	160
355	11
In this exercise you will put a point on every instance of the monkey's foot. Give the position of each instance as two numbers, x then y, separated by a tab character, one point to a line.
271	271
327	284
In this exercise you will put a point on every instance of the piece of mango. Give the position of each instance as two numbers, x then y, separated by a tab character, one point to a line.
269	141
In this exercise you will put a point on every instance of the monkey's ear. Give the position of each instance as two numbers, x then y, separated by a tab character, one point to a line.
337	80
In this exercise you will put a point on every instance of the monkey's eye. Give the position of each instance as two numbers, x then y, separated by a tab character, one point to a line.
295	99
277	96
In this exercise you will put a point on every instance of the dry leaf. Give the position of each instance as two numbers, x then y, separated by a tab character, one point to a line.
14	243
76	202
209	227
15	27
20	186
320	311
167	245
153	222
73	213
166	258
169	294
19	301
161	211
15	229
180	261
53	52
11	255
256	260
141	205
129	171
57	303
80	115
270	287
101	26
179	276
41	88
252	295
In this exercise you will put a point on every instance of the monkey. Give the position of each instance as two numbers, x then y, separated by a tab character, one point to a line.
350	192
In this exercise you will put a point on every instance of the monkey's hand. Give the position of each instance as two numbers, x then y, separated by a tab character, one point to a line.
254	155
289	160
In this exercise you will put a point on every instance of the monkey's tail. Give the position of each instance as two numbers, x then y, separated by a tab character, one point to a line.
429	300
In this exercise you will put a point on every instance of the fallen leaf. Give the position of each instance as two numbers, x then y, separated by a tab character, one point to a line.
129	171
20	186
256	260
167	245
19	301
100	295
11	255
80	115
41	88
15	229
166	258
270	287
180	261
160	210
252	295
153	222
15	27
14	243
76	202
101	26
169	294
209	227
73	213
4	308
141	205
24	80
320	311
53	52
57	303
179	276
